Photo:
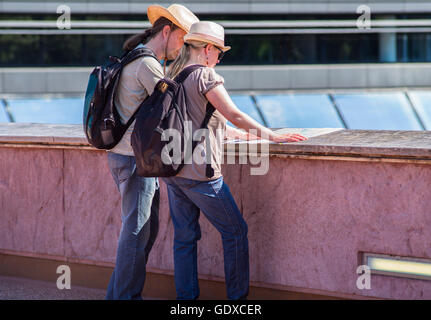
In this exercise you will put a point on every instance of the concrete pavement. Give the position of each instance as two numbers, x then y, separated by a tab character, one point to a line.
12	288
28	289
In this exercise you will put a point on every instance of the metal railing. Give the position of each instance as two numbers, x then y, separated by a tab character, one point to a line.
231	27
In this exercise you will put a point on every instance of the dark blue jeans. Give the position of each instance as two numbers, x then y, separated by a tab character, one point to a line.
186	199
139	226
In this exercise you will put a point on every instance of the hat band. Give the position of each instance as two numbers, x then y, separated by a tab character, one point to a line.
208	37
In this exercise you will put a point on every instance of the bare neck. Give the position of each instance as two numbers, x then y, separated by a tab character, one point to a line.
196	58
157	46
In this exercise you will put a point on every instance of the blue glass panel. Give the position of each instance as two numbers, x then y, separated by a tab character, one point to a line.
422	102
246	105
377	111
3	117
299	111
48	110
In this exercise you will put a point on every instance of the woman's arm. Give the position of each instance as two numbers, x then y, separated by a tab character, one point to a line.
220	99
233	133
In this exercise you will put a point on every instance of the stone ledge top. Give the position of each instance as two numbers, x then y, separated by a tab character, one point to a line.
45	134
321	141
359	143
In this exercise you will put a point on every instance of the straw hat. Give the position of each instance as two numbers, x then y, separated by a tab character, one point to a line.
178	14
209	32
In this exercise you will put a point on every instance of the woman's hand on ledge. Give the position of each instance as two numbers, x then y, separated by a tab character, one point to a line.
287	137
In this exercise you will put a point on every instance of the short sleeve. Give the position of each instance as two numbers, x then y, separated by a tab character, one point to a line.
148	73
208	80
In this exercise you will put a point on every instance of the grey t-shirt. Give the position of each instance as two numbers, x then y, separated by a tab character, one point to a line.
137	81
196	87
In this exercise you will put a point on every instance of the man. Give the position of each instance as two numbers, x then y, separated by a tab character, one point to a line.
140	196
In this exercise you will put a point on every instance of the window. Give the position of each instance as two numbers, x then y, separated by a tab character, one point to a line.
422	103
260	45
3	117
246	105
405	267
35	50
364	110
377	111
299	111
47	110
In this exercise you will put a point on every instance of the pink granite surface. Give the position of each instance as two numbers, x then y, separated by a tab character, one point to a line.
31	200
308	219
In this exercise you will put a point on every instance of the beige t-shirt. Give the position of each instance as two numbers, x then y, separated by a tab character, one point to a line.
196	86
137	81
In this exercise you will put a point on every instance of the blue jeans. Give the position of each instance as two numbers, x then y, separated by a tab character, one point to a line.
186	199
139	226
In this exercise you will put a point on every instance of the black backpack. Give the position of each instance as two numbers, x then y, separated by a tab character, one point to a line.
102	123
164	109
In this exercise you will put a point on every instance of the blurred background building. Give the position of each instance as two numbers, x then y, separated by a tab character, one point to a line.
304	64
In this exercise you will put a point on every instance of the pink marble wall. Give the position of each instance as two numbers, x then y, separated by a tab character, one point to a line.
308	219
31	200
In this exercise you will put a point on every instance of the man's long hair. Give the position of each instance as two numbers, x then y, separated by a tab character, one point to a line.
148	34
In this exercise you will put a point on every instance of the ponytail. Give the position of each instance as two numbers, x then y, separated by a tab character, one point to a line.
148	34
180	62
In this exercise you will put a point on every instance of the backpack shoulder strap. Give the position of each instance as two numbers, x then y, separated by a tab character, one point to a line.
210	109
209	171
135	54
186	72
129	57
183	76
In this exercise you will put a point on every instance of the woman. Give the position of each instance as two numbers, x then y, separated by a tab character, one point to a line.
192	190
140	196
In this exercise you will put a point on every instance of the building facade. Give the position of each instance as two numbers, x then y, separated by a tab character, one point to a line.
325	47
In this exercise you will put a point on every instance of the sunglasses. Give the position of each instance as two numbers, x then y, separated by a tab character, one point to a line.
221	54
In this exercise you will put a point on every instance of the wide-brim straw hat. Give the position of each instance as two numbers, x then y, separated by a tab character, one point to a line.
178	14
208	32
